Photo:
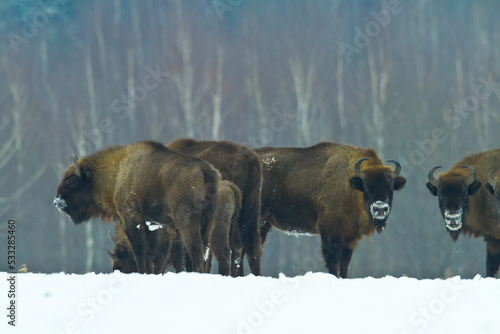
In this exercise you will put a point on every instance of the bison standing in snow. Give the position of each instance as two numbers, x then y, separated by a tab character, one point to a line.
224	239
139	183
466	206
243	167
338	191
161	241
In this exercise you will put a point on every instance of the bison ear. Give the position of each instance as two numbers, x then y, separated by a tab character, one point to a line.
399	183
86	172
488	186
431	188
474	187
356	183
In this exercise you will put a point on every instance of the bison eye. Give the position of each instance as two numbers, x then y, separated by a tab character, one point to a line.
72	181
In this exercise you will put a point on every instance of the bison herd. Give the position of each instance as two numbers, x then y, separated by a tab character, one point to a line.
182	203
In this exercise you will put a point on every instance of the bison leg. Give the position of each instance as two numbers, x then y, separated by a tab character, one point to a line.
219	245
193	244
253	250
345	260
137	238
492	257
177	255
236	250
332	251
163	241
236	267
222	254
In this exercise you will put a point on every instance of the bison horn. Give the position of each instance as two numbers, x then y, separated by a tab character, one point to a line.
113	256
431	177
398	168
77	166
111	237
490	178
472	176
357	170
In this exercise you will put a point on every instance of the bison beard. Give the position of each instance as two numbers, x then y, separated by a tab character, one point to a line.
313	190
465	206
144	182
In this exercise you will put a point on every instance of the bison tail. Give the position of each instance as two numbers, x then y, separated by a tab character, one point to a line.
250	215
212	182
237	203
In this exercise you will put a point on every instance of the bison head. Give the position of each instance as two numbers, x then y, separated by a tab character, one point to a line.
122	257
378	185
493	186
75	196
453	190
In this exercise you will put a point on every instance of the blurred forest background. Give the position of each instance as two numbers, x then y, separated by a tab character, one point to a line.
419	81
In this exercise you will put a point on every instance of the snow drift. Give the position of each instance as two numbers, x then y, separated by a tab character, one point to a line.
205	303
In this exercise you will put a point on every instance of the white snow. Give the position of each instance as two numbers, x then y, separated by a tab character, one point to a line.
207	253
207	303
297	234
60	203
153	226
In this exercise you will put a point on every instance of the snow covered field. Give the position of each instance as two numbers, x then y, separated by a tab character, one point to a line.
202	303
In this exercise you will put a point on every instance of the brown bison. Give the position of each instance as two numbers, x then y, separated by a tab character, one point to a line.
339	191
493	185
243	167
223	240
466	206
139	183
160	240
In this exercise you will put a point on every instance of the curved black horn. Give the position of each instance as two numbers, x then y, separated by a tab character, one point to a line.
431	177
111	237
77	166
472	176
490	178
398	168
113	256
357	170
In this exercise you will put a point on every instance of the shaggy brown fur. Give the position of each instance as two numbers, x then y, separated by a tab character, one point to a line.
225	237
160	242
493	184
223	241
243	167
144	182
315	190
466	206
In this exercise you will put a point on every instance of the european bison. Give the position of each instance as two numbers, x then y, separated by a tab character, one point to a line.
160	240
223	240
243	167
139	183
493	185
339	191
466	206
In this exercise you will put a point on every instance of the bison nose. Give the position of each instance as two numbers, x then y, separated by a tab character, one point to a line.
380	210
453	220
60	203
